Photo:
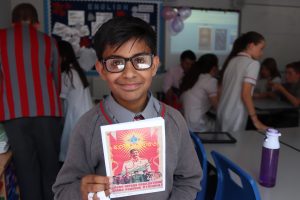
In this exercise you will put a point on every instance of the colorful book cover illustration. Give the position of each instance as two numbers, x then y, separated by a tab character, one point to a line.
135	156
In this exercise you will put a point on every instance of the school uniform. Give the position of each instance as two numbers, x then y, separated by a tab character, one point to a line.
196	104
262	85
232	113
77	101
173	78
294	89
85	154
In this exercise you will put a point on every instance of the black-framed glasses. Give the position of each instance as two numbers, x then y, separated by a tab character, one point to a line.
116	64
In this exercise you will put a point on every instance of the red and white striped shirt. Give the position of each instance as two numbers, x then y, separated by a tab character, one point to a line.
29	73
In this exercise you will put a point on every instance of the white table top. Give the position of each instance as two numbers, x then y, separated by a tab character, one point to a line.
290	137
247	154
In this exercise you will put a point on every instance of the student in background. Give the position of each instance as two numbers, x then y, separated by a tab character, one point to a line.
174	75
74	92
126	48
291	89
30	108
238	76
268	74
199	93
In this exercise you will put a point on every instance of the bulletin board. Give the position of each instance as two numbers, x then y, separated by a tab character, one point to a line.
78	20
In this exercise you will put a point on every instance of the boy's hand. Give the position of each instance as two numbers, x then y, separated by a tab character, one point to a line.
276	86
94	184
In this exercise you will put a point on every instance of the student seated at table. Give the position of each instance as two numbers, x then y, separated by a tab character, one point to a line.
268	74
290	91
173	78
199	93
127	61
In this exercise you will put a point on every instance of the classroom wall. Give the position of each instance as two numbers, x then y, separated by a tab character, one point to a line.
277	20
5	18
38	4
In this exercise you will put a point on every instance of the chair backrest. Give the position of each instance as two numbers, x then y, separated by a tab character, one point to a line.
233	182
203	161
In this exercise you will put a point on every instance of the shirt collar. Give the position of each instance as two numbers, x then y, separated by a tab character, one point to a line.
119	114
244	54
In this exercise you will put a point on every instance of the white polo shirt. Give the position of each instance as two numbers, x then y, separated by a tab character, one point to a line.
232	114
196	103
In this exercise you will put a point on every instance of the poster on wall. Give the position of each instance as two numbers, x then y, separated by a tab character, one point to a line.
77	21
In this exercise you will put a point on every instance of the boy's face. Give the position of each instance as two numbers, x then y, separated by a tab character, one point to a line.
186	64
291	75
130	86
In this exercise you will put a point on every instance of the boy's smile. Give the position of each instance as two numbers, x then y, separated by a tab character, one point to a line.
129	87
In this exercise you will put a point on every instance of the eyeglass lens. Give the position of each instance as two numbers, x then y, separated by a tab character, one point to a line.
139	62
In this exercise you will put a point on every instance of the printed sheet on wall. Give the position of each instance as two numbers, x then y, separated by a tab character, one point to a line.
77	21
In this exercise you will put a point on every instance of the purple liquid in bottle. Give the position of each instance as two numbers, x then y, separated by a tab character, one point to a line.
268	167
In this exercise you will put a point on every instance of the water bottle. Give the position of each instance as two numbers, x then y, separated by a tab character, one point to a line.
269	158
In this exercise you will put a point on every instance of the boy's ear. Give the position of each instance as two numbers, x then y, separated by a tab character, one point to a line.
155	64
100	69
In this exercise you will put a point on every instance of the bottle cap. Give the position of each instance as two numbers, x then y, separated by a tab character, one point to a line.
273	132
271	139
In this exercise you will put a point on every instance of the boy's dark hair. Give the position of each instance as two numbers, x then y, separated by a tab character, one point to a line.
241	44
203	66
271	65
295	66
25	12
187	54
119	30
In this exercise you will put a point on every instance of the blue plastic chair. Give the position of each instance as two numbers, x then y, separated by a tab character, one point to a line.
233	182
203	162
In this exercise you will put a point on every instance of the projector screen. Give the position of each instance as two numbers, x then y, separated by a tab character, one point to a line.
205	31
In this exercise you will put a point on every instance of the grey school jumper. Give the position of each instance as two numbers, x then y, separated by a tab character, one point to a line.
85	156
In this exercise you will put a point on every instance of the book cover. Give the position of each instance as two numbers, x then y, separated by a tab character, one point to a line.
135	156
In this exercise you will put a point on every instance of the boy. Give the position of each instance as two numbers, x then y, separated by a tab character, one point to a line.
290	90
125	49
174	76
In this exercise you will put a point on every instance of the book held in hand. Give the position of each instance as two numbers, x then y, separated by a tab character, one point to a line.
135	156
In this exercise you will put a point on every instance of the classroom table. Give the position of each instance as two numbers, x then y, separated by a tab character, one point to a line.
246	153
290	137
272	105
275	113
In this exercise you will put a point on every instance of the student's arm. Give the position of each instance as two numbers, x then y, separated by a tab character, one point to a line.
188	173
77	176
169	95
294	100
247	99
214	101
213	92
168	81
